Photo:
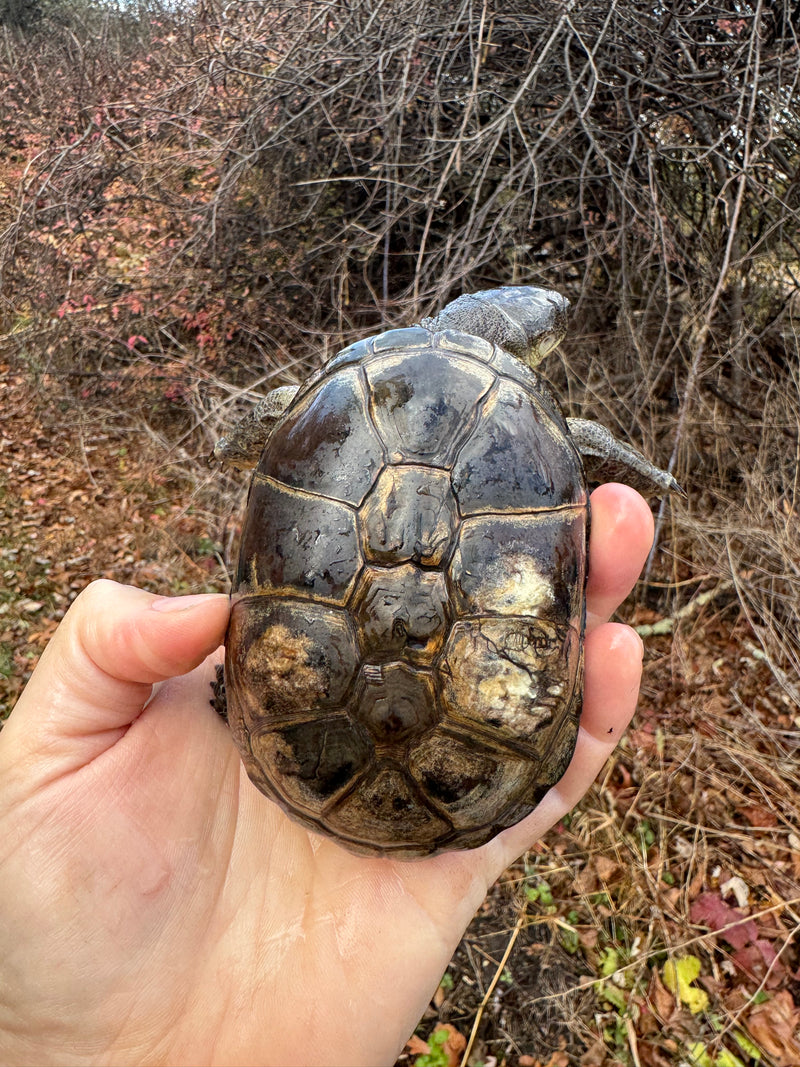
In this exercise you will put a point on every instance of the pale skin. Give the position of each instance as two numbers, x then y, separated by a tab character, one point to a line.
155	908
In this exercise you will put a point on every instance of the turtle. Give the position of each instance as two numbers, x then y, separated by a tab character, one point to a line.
404	660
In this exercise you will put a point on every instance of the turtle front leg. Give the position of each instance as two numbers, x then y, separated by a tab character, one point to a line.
242	447
606	459
219	702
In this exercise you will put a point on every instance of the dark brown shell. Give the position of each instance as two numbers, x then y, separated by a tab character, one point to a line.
405	657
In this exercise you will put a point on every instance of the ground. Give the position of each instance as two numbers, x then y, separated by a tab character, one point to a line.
656	926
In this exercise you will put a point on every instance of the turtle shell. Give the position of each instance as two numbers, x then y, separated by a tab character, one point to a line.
405	656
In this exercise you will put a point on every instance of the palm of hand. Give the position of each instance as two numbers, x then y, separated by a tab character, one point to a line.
166	912
187	871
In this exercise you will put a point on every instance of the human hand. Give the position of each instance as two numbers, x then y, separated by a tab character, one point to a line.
157	909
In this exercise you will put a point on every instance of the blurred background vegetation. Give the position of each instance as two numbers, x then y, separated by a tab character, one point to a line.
200	201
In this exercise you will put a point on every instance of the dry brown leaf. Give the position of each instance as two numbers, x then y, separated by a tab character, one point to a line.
588	936
758	815
415	1046
644	740
586	881
650	1056
774	1025
595	1056
606	868
558	1059
661	998
454	1045
696	885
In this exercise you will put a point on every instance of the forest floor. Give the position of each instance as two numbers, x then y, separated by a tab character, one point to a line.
657	925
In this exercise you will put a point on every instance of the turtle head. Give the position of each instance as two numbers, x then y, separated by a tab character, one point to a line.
525	321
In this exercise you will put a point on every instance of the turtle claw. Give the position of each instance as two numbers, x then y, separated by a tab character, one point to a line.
606	459
219	702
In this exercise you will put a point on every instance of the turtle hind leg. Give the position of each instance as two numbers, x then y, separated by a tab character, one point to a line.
219	701
606	459
242	447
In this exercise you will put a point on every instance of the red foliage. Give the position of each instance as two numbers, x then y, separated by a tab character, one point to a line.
753	954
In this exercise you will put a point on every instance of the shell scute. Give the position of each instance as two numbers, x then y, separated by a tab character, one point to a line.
465	344
401	612
510	679
472	785
389	807
411	515
532	565
347	357
396	703
311	763
402	340
424	403
297	543
326	443
287	657
517	458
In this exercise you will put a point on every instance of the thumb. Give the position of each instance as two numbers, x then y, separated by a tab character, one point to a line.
97	673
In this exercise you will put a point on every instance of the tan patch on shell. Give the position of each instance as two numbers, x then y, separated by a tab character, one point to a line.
281	656
515	585
513	676
508	692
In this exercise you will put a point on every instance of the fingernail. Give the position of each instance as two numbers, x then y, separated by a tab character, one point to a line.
638	637
182	603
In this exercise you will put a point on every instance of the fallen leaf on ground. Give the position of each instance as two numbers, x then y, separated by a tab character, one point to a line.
678	977
662	1000
774	1026
711	910
758	815
760	961
558	1059
417	1047
451	1042
606	868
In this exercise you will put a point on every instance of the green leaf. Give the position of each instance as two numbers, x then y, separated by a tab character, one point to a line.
539	894
436	1057
746	1045
609	961
678	976
613	995
698	1055
727	1059
569	940
646	835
